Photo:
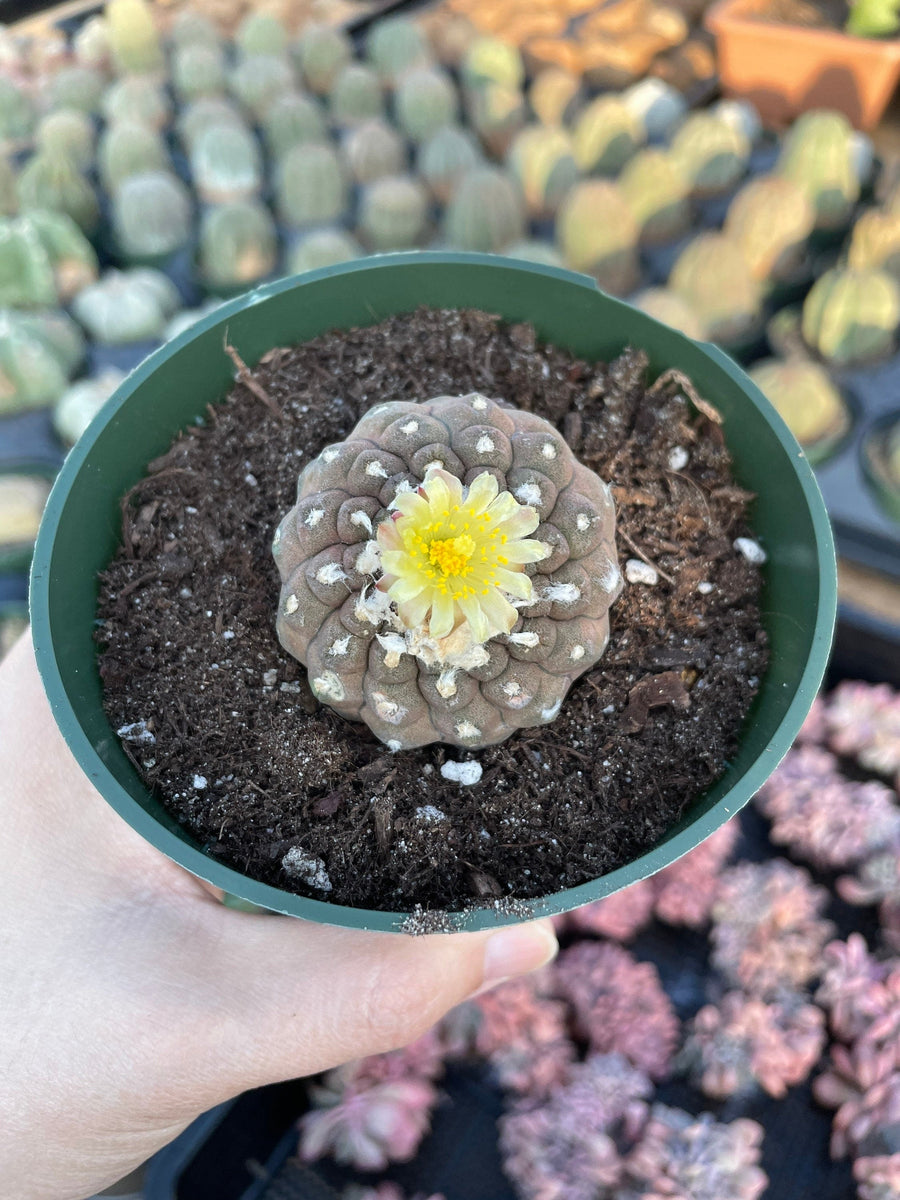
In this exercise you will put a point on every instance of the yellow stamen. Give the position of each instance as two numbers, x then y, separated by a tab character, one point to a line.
452	554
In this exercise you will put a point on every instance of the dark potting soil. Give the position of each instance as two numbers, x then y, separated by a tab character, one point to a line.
811	14
221	722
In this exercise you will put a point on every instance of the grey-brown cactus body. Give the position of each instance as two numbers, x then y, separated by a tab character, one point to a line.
361	659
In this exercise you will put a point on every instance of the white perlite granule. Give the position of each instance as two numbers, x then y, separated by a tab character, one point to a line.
465	773
752	551
307	868
641	572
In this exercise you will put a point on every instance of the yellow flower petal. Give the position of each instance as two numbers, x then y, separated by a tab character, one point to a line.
443	615
517	583
526	550
482	493
407	587
477	618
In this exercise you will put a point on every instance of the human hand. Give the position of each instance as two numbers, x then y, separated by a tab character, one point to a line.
131	1000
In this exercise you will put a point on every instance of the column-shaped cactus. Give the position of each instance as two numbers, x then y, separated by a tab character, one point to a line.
412	587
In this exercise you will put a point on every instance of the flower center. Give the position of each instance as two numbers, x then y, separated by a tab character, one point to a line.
452	555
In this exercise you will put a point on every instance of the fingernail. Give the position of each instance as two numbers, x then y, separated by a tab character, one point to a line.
518	950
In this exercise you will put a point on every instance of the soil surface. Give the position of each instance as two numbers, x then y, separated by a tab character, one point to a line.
812	14
221	722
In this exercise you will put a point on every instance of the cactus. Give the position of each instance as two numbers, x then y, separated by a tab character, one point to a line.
192	28
22	501
425	102
69	132
496	113
128	148
712	275
290	120
598	235
657	106
44	260
323	248
711	154
554	95
875	242
151	216
818	154
486	212
671	309
9	201
605	136
198	70
543	253
133	37
80	403
394	46
257	82
77	87
55	182
490	60
771	219
33	371
810	404
204	113
90	44
394	213
372	150
445	158
58	333
355	96
416	496
126	306
260	33
852	316
657	194
136	98
543	161
238	244
310	187
226	164
17	115
321	53
873	18
740	115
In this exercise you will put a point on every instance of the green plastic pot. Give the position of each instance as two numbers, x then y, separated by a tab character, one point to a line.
173	386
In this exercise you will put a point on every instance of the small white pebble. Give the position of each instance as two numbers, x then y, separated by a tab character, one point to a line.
678	458
228	634
251	480
429	814
393	745
641	572
185	593
137	733
199	782
270	677
752	551
465	773
705	587
306	867
485	444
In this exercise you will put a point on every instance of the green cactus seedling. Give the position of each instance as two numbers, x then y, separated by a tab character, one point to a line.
55	182
659	107
198	70
486	211
445	158
672	310
126	306
554	96
22	501
713	277
69	132
496	113
542	159
261	33
356	95
81	401
394	213
75	86
473	628
137	98
658	196
45	259
818	155
133	37
873	18
258	81
598	235
33	374
321	53
491	60
90	44
711	154
425	101
852	316
151	217
192	28
9	201
373	150
226	164
810	404
129	148
17	116
875	242
310	186
202	114
238	245
59	333
292	119
771	219
605	136
323	248
396	45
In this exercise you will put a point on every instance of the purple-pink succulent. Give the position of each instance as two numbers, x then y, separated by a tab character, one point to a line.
878	1177
857	989
522	1033
877	881
382	1191
421	1059
864	721
686	890
619	917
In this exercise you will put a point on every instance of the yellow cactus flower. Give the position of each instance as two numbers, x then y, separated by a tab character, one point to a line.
455	554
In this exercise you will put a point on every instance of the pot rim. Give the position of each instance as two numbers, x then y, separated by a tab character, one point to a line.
731	14
671	847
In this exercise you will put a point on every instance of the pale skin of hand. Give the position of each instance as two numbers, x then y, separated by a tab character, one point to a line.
131	1000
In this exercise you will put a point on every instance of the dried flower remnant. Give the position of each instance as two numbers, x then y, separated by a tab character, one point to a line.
522	1033
864	721
474	629
745	1043
567	1147
767	930
619	1004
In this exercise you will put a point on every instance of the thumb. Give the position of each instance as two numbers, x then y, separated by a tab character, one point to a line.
305	997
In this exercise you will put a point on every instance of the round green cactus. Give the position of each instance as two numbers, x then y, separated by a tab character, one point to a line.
395	45
126	306
192	28
542	159
90	44
69	132
496	113
22	501
198	70
356	95
659	107
818	155
425	101
80	403
33	371
373	150
713	276
59	333
490	60
151	216
411	589
605	136
74	86
852	316
226	164
711	154
257	82
261	33
875	242
394	213
671	309
445	158
658	196
771	219
810	404
129	148
310	186
203	114
55	182
554	95
9	201
238	244
598	235
486	211
17	115
137	98
133	37
44	260
323	248
321	53
292	119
